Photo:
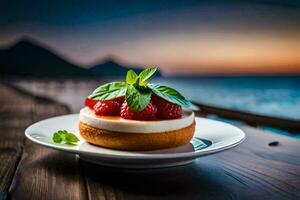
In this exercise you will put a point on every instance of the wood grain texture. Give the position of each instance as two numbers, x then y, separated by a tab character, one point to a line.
44	173
264	166
11	133
41	173
253	170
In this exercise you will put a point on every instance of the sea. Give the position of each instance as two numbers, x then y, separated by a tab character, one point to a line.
268	95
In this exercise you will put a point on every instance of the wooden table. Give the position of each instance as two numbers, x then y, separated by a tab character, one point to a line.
253	170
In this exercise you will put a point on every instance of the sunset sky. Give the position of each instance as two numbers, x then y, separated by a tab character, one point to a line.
218	37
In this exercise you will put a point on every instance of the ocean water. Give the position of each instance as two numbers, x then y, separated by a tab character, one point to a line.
273	96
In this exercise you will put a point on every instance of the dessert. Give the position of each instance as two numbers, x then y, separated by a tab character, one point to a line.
136	115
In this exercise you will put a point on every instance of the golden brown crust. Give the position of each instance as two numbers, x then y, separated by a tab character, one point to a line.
136	141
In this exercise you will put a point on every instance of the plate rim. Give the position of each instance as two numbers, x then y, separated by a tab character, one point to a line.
202	152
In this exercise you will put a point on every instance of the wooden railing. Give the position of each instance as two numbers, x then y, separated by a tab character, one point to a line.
252	119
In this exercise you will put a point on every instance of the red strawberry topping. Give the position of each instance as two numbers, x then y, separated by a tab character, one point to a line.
120	100
148	113
107	108
90	103
166	109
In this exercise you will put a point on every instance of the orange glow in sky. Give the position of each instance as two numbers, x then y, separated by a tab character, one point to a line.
250	38
218	53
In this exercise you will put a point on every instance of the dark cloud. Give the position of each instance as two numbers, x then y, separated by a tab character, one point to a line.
70	12
79	11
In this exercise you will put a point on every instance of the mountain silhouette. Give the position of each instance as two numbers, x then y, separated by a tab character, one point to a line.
109	67
28	58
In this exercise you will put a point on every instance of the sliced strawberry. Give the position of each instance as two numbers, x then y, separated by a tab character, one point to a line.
166	109
107	108
148	113
90	103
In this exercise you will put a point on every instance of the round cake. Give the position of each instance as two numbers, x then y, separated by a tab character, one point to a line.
119	133
136	115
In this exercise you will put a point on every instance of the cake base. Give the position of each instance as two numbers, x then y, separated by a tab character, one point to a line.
136	141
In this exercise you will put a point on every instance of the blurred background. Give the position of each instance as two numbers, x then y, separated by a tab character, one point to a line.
238	55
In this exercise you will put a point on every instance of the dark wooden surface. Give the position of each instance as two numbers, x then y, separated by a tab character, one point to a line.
265	166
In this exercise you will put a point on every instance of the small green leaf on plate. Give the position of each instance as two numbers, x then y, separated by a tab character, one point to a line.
57	138
63	136
71	138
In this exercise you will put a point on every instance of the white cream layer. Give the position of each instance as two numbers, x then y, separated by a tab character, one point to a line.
88	117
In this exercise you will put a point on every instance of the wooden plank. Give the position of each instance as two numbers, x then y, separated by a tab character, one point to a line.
253	170
42	173
97	187
47	174
11	145
252	119
13	121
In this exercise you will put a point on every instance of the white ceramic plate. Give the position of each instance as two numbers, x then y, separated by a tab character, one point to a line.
210	137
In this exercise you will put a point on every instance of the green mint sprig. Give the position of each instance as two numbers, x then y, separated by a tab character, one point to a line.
138	91
64	137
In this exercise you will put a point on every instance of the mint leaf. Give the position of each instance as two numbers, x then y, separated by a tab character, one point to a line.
71	138
131	77
63	136
57	138
137	100
109	91
147	73
169	94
